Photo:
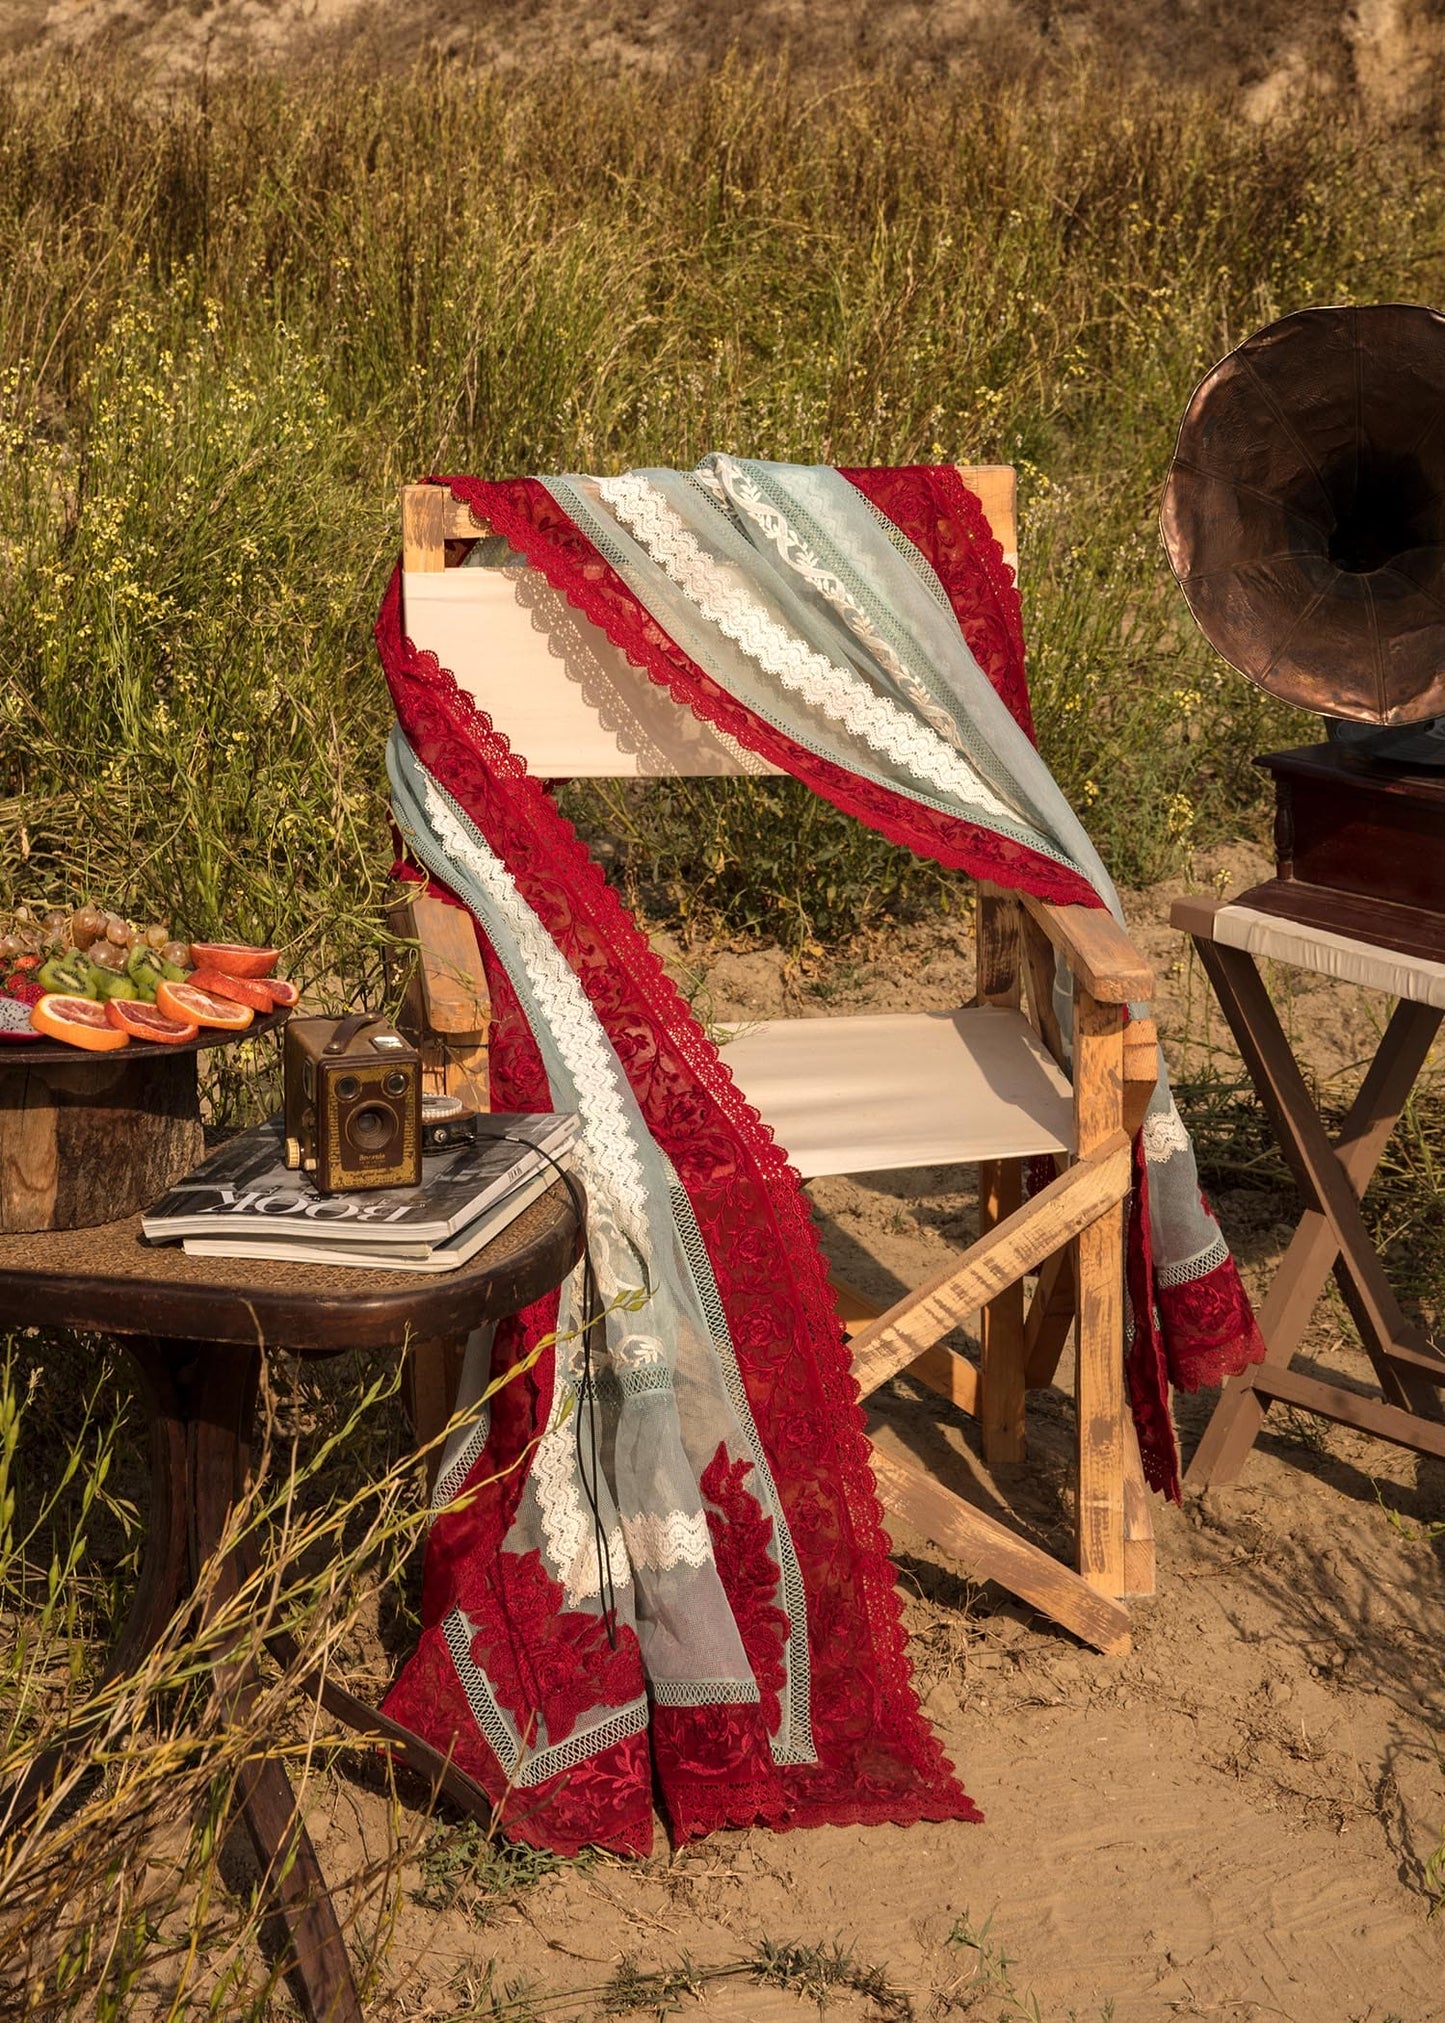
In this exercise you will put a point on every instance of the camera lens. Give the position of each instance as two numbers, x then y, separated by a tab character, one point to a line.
347	1088
395	1083
370	1128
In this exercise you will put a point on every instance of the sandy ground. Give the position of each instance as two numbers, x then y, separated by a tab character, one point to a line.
1234	1821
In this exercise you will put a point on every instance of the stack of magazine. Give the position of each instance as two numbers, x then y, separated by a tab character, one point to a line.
244	1201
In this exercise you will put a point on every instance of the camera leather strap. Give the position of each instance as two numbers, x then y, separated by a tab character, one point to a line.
346	1031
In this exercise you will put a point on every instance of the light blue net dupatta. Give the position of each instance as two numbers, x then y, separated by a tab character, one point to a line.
673	1406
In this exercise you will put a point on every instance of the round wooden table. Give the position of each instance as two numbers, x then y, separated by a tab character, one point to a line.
196	1330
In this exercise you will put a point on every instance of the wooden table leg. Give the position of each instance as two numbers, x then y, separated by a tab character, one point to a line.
430	1379
221	1383
1099	1278
1300	1279
1409	1369
371	1726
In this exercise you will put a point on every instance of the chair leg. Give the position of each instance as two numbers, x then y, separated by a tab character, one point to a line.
1099	1282
1138	1518
1001	1325
1050	1317
1099	1404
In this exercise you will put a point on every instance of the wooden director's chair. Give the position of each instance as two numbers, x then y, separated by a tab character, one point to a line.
986	1085
1231	941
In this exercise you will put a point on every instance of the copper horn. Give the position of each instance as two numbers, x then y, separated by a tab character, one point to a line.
1304	513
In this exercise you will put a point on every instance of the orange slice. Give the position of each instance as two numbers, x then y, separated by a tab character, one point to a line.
234	989
232	959
189	1006
79	1021
148	1022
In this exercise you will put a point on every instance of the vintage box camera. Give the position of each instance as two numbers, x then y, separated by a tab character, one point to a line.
352	1103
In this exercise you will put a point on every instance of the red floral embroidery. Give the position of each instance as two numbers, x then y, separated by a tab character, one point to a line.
1210	1328
741	1539
715	1769
543	1658
605	1801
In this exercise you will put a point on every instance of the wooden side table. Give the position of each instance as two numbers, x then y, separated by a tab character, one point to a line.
196	1330
1232	940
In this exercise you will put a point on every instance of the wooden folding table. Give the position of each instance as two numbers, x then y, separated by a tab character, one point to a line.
1332	1237
194	1328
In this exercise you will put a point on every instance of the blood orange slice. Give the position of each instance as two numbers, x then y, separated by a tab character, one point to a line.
232	959
235	989
79	1021
282	993
148	1022
189	1006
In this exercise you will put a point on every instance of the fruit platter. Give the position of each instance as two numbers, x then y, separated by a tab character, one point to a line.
101	1021
91	980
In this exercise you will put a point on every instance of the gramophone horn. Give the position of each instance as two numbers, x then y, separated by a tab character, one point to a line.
1304	514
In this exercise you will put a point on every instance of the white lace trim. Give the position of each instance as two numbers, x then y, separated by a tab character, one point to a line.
676	1539
1164	1134
502	1738
451	1479
724	598
1189	1268
501	1734
803	561
566	1522
606	1154
705	1692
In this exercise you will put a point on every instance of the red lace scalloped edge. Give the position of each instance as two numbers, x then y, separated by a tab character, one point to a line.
862	1512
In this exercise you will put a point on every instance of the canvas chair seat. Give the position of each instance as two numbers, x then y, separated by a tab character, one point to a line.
986	1084
875	1093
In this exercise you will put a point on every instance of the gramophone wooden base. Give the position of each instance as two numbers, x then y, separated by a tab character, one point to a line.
1360	849
1381	923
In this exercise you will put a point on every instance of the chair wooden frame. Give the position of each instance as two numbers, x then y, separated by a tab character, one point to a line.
1331	1236
1070	1234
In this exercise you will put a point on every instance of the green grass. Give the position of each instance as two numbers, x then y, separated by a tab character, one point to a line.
233	320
